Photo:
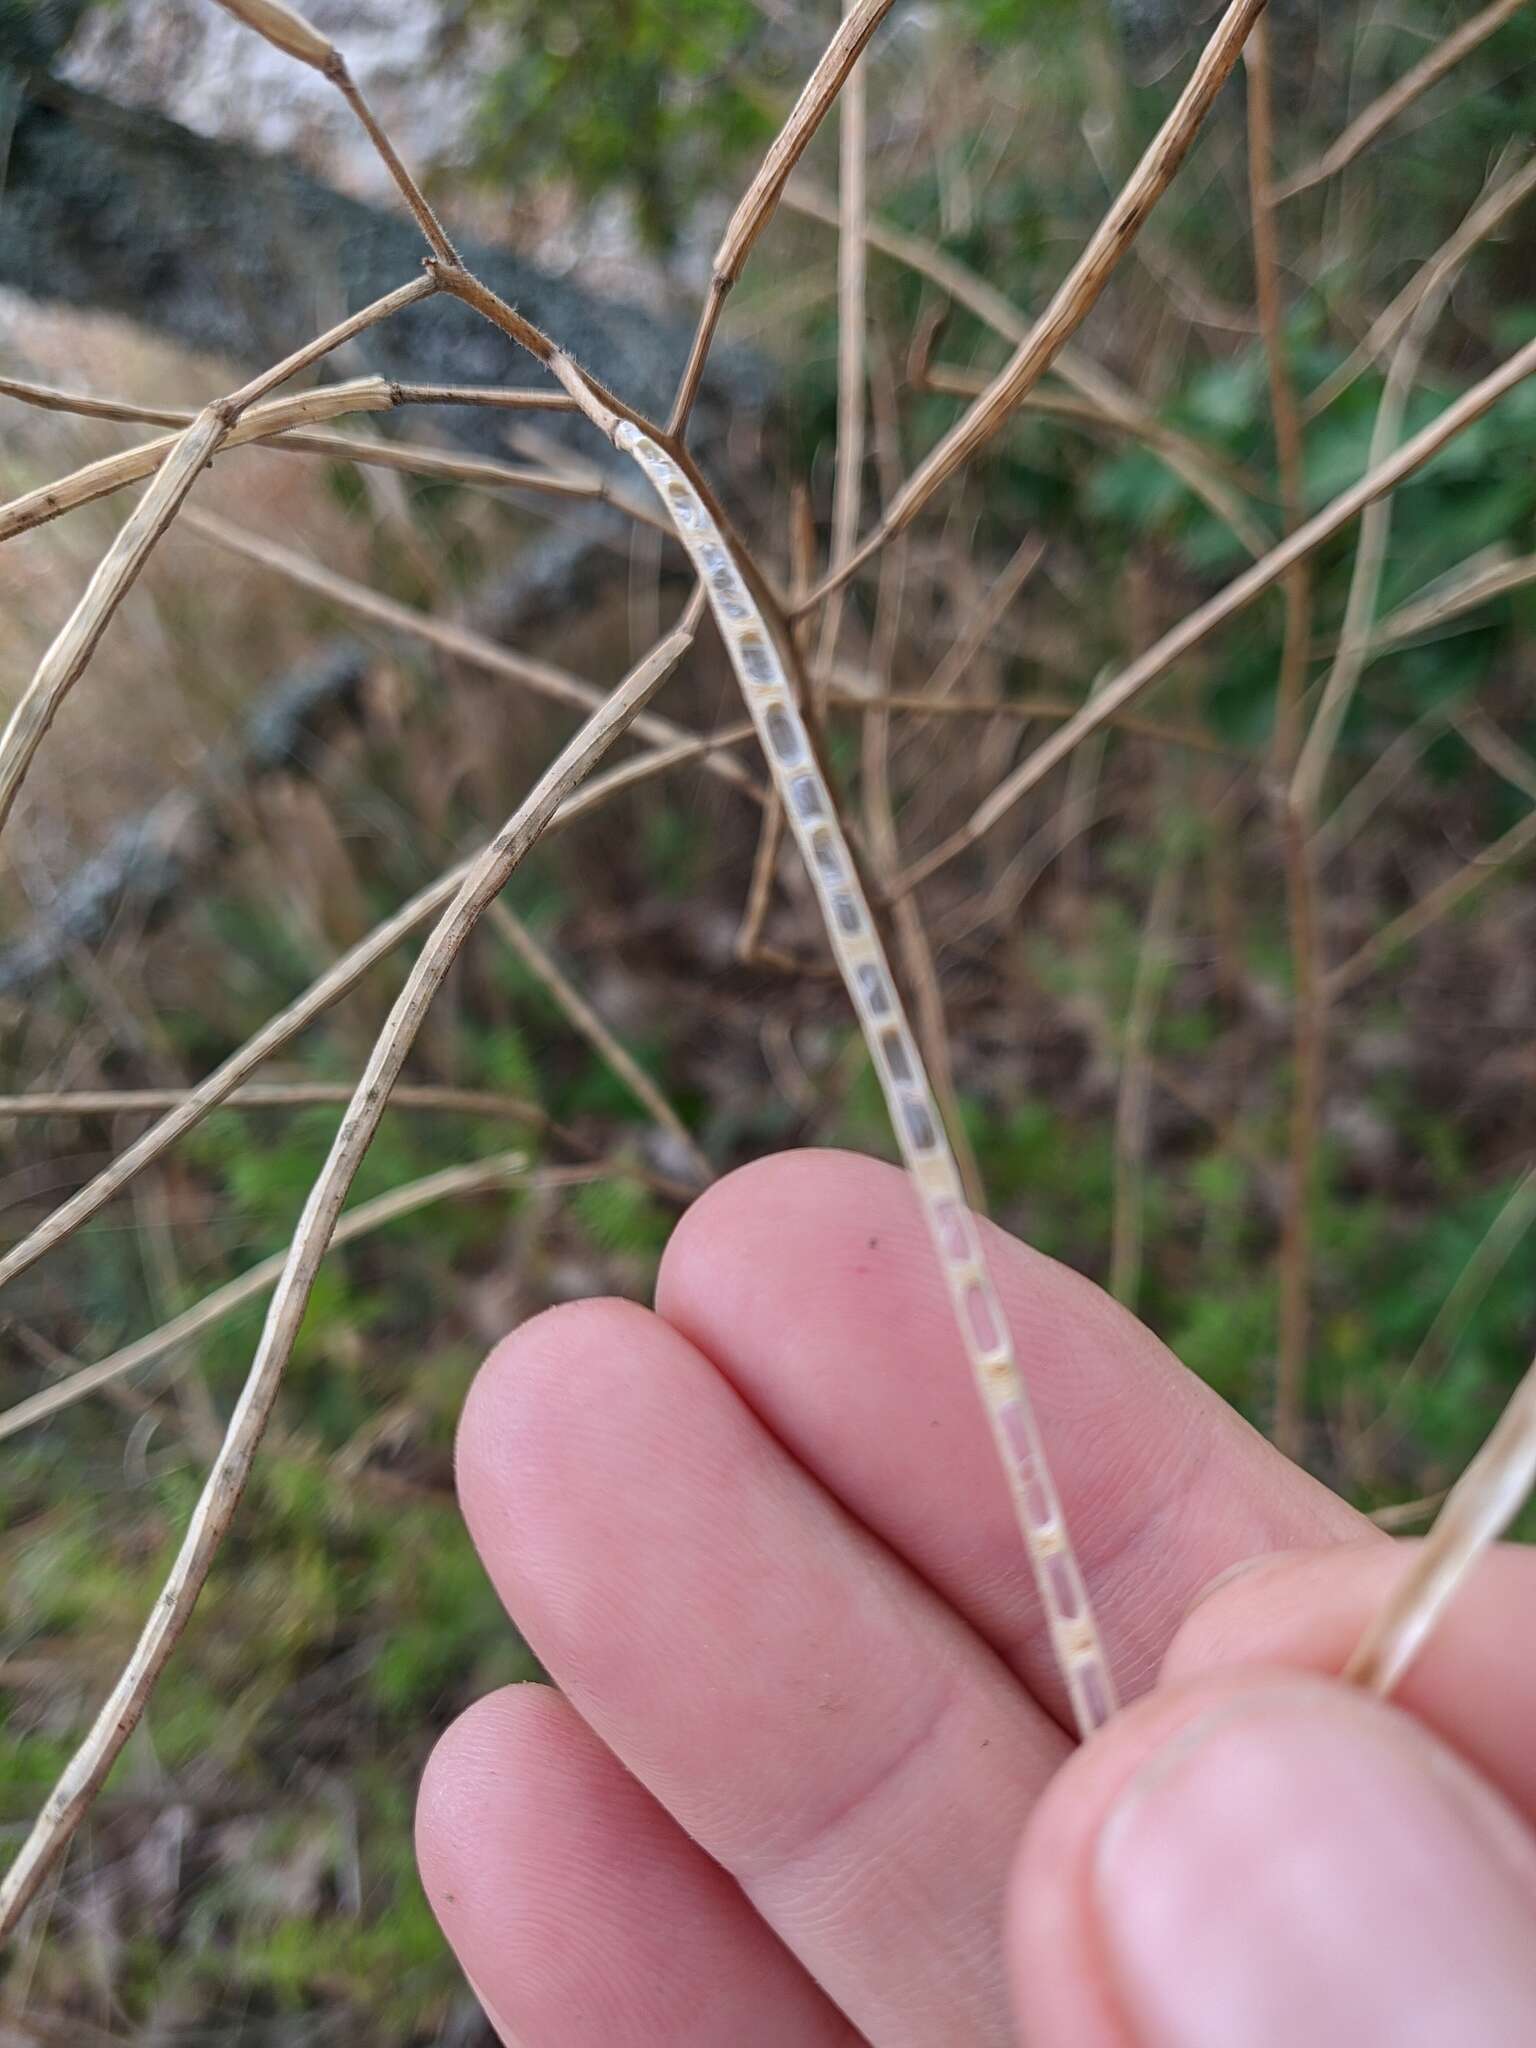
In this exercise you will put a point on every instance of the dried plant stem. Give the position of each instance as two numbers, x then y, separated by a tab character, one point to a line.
1491	209
1478	1508
1107	400
281	424
845	696
66	659
1308	1032
1413	84
475	1178
1077	295
1120	690
342	975
860	955
458	641
755	208
1134	1100
90	406
609	1049
1448	896
984	620
1477	583
487	876
73	1102
847	482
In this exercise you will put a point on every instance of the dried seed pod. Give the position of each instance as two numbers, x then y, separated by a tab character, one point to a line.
289	31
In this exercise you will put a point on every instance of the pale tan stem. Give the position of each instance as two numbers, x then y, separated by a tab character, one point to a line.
1133	1101
1110	403
1122	689
585	1020
847	481
1077	295
1449	895
344	974
458	641
74	1102
1413	84
488	874
475	1178
1478	1509
756	206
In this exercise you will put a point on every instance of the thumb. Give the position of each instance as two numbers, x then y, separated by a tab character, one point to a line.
1266	1859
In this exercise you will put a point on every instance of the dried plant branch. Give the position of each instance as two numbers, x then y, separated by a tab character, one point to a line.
458	641
342	975
1308	1025
66	659
755	208
269	1095
609	1049
844	695
89	405
984	620
1478	1509
291	33
281	424
1460	591
1075	298
478	1177
1108	401
1413	84
1493	745
1134	1099
488	873
1493	206
848	475
1122	689
759	664
1449	895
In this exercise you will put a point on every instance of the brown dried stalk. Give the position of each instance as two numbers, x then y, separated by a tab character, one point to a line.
1122	689
66	659
1077	295
1134	1099
1459	591
461	642
49	398
846	695
478	1177
1107	401
281	424
757	203
488	874
1413	84
1478	1508
848	475
1307	1026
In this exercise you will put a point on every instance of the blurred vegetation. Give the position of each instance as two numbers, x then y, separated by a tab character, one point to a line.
249	1868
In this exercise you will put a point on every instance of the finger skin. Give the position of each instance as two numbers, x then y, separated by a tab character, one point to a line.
809	1279
1473	1683
581	1913
1069	1968
805	1708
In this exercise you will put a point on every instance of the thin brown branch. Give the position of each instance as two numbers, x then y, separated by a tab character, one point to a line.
755	208
843	695
488	874
1120	690
1453	595
1413	84
848	475
1134	1098
1111	403
1077	295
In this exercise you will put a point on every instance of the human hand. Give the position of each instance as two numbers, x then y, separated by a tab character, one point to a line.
807	1780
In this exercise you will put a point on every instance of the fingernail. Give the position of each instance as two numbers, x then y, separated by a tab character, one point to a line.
1308	1867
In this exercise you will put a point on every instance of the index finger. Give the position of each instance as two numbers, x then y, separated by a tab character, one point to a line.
809	1280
